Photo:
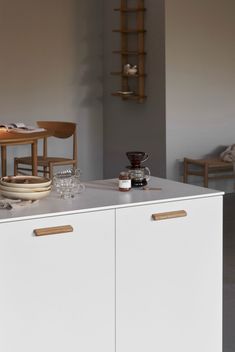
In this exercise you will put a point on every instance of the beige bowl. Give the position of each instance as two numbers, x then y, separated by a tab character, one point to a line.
25	181
26	195
24	190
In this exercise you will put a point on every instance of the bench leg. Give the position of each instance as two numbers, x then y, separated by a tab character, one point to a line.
185	176
206	175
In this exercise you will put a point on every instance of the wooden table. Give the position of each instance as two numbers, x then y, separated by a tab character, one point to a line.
13	138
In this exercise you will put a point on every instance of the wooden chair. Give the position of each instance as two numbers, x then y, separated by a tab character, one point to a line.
46	163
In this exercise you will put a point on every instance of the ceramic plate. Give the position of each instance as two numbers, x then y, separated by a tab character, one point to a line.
24	190
25	181
125	93
25	196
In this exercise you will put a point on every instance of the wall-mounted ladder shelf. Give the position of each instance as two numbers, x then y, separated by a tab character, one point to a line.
132	84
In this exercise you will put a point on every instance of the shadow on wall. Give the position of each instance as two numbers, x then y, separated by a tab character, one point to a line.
89	54
215	153
88	86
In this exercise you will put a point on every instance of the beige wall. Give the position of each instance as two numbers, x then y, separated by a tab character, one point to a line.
200	79
51	68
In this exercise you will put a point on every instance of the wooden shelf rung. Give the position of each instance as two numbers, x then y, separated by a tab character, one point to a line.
129	31
129	97
127	53
131	9
127	76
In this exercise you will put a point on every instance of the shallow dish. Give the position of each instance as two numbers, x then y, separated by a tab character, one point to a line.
24	190
125	93
25	196
25	181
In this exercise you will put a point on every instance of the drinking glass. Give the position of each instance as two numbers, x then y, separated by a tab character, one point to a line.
67	183
78	187
64	184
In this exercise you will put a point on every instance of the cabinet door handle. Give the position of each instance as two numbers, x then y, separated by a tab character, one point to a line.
53	230
169	215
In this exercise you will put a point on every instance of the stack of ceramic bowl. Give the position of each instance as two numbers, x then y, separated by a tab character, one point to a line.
25	187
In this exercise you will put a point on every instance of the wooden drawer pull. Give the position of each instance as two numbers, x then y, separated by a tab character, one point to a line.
53	230
169	215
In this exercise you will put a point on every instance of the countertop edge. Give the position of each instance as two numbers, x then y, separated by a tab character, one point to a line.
14	218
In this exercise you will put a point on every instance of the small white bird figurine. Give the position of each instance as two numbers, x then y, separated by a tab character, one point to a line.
126	68
130	69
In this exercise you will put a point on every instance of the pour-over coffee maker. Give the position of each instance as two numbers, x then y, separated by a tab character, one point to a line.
139	174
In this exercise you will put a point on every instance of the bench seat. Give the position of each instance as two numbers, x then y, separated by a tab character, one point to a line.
209	169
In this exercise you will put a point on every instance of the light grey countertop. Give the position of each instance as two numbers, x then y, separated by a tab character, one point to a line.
104	194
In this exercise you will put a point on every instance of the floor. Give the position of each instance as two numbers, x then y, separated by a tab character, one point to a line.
229	273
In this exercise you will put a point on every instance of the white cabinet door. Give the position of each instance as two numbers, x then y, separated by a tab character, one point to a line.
169	278
57	291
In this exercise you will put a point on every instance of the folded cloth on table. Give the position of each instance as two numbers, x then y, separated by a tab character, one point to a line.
228	154
11	204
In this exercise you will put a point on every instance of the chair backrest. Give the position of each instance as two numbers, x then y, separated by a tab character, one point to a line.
61	129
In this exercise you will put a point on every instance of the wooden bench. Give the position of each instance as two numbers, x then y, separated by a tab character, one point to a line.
209	169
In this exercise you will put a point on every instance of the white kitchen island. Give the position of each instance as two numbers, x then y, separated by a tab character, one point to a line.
137	271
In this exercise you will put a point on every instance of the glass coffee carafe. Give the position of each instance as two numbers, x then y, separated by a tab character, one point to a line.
140	175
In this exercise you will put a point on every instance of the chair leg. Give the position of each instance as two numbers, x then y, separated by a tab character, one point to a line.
15	167
50	170
45	171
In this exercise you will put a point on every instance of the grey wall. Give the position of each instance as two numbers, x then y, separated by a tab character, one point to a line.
51	68
127	124
200	80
